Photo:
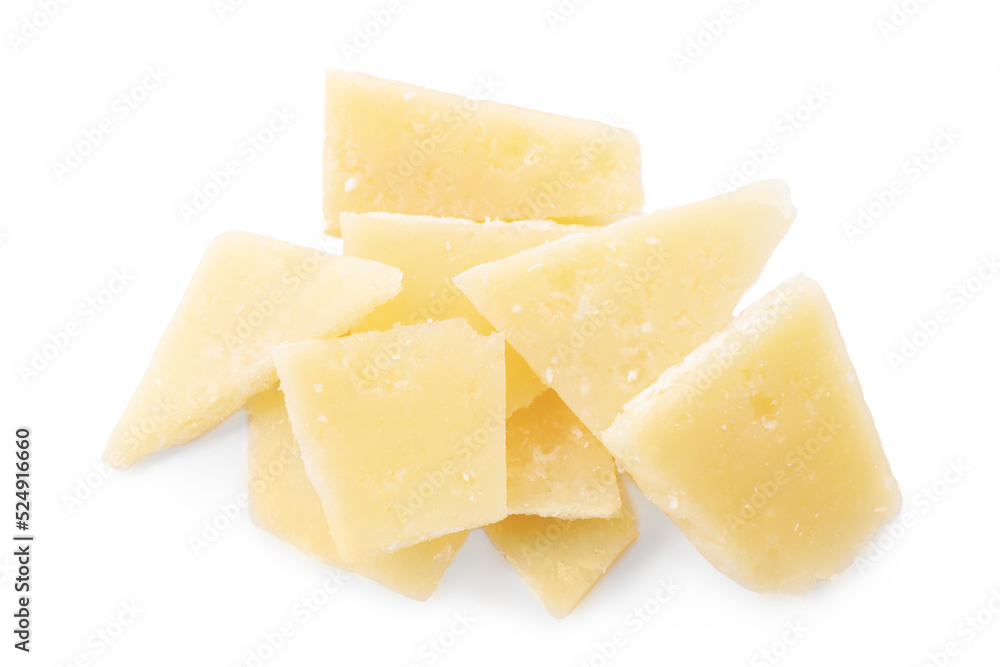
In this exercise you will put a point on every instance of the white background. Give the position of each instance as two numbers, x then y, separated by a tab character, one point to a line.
128	542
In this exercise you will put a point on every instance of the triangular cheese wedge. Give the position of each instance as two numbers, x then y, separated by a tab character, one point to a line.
284	502
404	149
599	316
248	294
402	431
555	466
430	251
760	447
563	560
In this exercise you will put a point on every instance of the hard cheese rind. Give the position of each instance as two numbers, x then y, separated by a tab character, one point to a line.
555	466
430	251
562	559
596	220
400	148
599	316
402	432
284	502
248	294
760	447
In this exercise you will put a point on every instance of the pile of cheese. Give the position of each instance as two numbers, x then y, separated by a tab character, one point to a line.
503	337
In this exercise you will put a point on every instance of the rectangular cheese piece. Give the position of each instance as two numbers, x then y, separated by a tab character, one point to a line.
562	560
402	432
760	447
284	502
430	251
248	294
599	316
555	466
400	148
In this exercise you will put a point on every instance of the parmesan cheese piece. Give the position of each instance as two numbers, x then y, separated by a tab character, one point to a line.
405	442
760	447
404	149
430	251
284	502
599	316
555	466
248	294
562	560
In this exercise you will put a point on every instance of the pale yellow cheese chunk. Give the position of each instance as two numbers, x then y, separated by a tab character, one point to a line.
248	294
760	446
402	432
562	560
430	251
401	148
599	316
555	466
284	502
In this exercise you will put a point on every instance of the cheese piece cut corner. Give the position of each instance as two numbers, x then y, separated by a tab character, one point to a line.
599	316
430	251
562	560
760	446
402	431
555	466
284	503
523	386
400	148
248	294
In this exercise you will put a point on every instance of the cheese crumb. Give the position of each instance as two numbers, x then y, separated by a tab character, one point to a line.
321	417
318	388
350	184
